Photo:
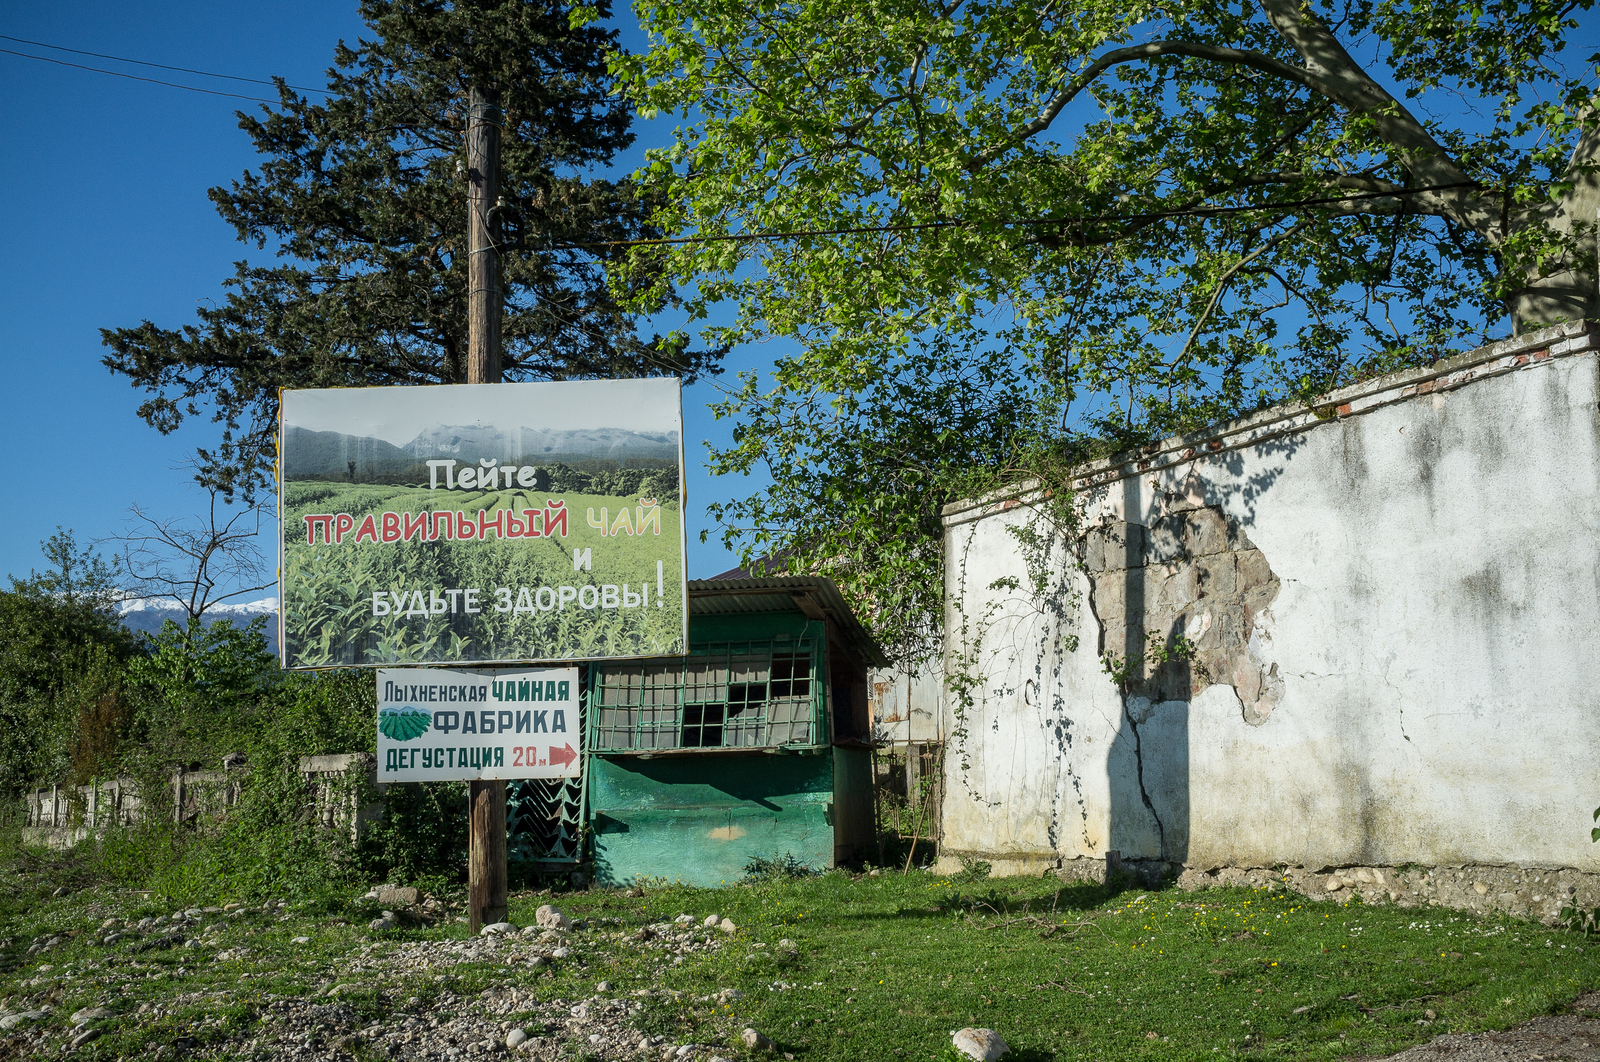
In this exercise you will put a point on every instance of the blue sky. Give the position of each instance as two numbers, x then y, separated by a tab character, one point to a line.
105	223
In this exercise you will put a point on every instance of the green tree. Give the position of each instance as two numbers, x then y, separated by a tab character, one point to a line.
204	690
77	577
62	657
361	198
1089	223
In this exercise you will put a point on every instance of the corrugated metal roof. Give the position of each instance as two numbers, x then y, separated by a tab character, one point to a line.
786	593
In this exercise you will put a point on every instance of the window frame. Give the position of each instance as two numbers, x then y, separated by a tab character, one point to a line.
641	721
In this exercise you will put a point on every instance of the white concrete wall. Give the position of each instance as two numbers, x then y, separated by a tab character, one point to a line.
1436	629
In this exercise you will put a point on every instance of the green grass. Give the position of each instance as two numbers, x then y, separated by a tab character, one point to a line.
1078	972
885	968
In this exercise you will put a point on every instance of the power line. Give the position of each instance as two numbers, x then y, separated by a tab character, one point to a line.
158	66
745	236
136	77
1088	219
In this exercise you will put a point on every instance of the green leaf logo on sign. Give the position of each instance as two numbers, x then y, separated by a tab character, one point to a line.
403	724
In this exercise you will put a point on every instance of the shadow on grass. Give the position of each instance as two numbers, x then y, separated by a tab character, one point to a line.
1076	896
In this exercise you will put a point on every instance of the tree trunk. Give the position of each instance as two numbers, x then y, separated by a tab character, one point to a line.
1567	296
1563	285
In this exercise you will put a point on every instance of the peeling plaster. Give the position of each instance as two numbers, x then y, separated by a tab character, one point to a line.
1192	572
1256	679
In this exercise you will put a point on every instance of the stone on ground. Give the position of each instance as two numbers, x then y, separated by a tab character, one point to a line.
727	926
495	929
550	918
756	1042
515	1038
11	1021
980	1045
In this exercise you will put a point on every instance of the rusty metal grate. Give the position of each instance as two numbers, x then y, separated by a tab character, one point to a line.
759	694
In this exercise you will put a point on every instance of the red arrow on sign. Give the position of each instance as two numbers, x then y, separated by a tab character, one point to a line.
562	756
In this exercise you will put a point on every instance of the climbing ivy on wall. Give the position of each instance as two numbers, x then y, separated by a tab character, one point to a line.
1048	540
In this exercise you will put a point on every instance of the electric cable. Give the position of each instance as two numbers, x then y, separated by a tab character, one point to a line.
136	77
158	66
742	237
1087	219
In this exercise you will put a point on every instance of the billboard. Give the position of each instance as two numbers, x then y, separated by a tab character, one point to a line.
481	523
455	725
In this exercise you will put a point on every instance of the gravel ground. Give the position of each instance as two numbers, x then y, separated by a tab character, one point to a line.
509	1020
267	983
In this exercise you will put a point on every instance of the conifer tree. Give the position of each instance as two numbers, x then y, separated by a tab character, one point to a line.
361	199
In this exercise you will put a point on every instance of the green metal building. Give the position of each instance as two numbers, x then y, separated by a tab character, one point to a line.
755	745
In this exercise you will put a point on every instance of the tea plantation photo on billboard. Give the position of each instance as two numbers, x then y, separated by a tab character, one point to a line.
481	523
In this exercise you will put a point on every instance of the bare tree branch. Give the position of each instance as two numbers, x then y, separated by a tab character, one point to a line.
1139	53
190	561
1330	72
1337	76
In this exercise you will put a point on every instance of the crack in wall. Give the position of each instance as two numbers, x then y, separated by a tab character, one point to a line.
1144	792
1399	701
1180	603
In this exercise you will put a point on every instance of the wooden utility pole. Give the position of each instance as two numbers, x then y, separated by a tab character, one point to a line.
484	299
486	851
486	855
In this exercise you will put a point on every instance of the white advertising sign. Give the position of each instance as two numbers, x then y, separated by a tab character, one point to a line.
452	725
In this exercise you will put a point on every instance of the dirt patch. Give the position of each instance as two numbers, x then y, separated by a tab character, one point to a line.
1574	1036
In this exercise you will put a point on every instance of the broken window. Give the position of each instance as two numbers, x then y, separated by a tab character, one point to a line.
733	695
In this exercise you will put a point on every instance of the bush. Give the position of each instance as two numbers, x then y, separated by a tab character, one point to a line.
186	697
422	838
62	654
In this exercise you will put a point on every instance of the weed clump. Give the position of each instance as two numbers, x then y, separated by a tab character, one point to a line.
761	868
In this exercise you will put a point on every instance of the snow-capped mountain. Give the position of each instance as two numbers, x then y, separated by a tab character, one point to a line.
476	442
149	613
